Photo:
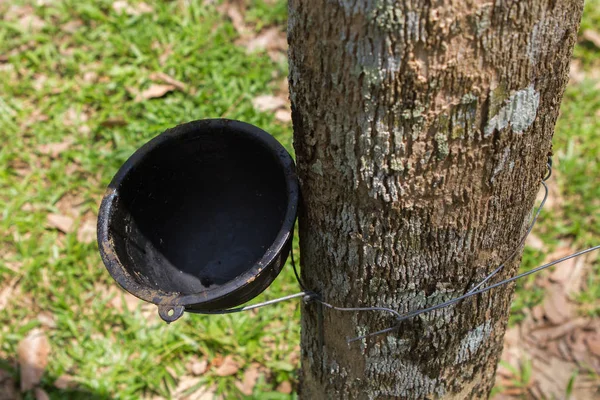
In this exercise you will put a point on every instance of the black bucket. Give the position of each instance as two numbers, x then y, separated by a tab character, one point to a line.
201	217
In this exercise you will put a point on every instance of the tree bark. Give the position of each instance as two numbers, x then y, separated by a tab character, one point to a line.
422	131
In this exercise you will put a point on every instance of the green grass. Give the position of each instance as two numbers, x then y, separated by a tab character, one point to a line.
114	354
58	83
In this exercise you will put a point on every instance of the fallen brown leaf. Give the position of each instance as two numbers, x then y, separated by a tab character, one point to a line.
592	36
33	353
162	77
268	39
593	343
40	394
74	116
70	204
113	122
576	280
283	115
236	17
576	74
154	91
47	319
185	389
13	265
61	222
556	305
268	102
20	167
38	81
251	374
8	386
86	233
197	367
228	367
285	387
122	6
124	301
534	242
54	149
90	76
554	351
72	26
7	292
546	334
217	361
31	23
165	54
65	381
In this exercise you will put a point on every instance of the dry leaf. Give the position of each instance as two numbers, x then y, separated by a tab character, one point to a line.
162	77
8	386
556	306
47	320
90	76
576	280
251	374
285	387
166	52
20	167
228	367
268	103
39	81
283	115
197	367
74	116
121	6
576	74
534	242
70	204
593	343
40	394
113	122
33	353
592	36
61	222
31	23
123	300
268	39
144	8
54	149
72	26
237	19
546	334
13	265
7	292
562	271
186	383
87	229
154	91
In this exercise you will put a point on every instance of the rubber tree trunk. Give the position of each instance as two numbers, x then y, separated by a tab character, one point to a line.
422	131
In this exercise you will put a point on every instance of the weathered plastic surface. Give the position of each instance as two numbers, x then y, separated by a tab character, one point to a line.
201	217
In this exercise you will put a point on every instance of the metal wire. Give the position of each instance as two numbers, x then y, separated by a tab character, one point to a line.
308	295
464	296
253	306
518	246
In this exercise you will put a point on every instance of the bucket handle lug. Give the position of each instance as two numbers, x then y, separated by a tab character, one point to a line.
170	313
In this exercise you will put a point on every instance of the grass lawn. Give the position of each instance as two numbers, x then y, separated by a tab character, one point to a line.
81	87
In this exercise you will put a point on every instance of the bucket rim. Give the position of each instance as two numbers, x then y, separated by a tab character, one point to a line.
264	265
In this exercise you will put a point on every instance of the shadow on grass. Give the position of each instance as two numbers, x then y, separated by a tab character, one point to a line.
10	386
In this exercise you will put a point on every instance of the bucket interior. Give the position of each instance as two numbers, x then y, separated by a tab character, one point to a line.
198	211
